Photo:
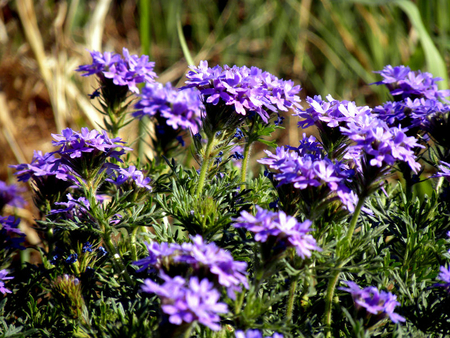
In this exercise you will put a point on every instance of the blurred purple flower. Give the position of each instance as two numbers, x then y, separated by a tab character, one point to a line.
10	195
444	276
3	277
287	231
255	334
247	89
188	301
127	71
11	237
373	301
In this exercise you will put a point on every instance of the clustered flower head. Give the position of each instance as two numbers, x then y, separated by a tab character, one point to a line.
181	109
186	301
255	334
402	81
73	207
286	230
379	303
247	89
75	144
199	256
305	167
127	71
3	277
384	145
10	195
331	113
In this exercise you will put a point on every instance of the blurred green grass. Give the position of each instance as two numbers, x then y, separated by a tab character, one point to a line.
329	47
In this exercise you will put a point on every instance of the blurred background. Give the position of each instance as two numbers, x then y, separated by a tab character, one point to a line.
326	46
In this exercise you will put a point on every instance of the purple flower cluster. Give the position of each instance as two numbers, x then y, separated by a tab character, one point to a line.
11	237
3	277
222	269
444	276
131	173
75	144
10	195
374	302
42	165
127	71
187	301
402	81
304	168
255	334
287	231
383	145
332	113
180	108
247	89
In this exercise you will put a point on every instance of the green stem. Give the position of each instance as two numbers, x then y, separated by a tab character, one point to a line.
205	165
244	167
291	298
117	259
342	249
133	244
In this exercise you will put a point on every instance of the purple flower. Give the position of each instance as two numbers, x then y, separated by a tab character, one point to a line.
373	301
402	81
188	301
127	71
444	168
3	277
74	207
247	89
223	269
285	229
306	168
383	145
10	195
42	165
444	276
181	109
11	237
74	144
133	174
255	334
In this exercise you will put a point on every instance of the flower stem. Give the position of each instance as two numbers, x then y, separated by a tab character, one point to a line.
290	305
244	167
341	250
133	244
205	165
117	259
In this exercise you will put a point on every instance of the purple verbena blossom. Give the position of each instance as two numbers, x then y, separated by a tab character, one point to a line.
373	301
181	109
223	269
305	167
3	277
10	195
383	145
130	173
188	301
75	144
127	71
444	168
255	334
402	81
247	89
287	231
